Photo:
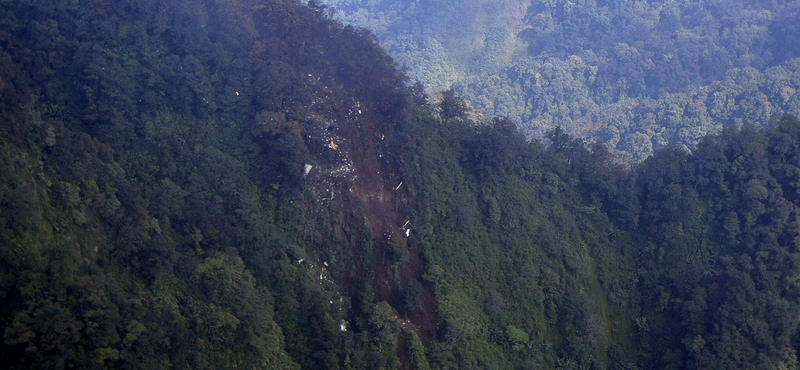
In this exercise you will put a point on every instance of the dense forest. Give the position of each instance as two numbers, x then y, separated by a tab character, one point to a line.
225	184
635	74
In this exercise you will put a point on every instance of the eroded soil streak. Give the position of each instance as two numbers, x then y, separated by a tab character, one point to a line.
374	201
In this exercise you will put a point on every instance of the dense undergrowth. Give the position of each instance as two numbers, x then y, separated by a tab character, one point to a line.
236	184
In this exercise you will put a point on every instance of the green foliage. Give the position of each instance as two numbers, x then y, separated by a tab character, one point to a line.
156	212
720	242
637	75
518	338
125	215
505	275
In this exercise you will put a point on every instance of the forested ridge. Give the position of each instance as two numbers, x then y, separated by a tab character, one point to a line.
244	184
635	74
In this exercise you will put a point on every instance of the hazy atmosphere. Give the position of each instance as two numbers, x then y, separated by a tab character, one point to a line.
410	185
636	75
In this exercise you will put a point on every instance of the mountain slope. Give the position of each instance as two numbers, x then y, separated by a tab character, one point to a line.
237	184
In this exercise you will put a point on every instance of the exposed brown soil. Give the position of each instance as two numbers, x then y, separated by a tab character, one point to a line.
378	192
371	198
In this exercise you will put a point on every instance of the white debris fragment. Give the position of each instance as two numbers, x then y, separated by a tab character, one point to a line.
408	233
301	260
343	325
398	185
306	169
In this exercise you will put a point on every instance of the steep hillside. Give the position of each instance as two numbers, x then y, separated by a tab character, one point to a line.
719	259
245	184
240	184
157	211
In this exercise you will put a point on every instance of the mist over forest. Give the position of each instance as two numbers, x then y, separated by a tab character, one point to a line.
636	75
260	184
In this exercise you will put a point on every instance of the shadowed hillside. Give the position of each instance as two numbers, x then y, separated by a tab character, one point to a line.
245	184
